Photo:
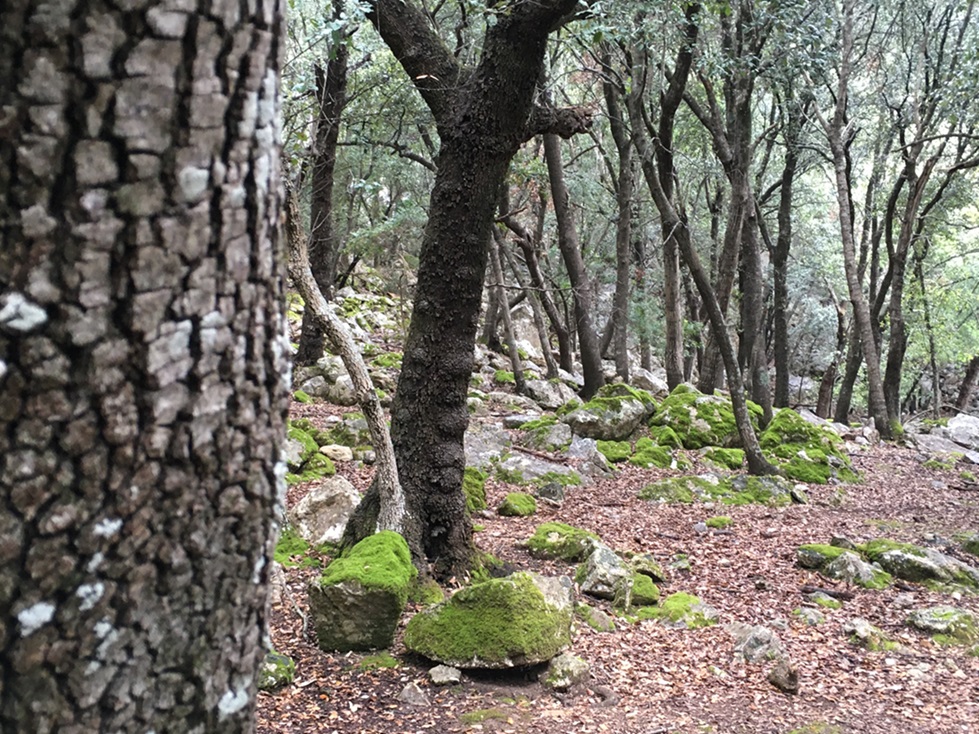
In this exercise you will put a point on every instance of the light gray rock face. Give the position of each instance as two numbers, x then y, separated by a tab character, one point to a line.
861	632
592	461
609	422
555	437
566	671
529	468
336	452
513	402
756	643
964	430
957	626
523	619
935	443
484	442
920	564
321	515
445	675
549	395
655	384
413	695
277	671
604	575
851	567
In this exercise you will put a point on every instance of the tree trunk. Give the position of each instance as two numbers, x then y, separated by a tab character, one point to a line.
324	247
535	306
824	401
483	115
968	387
511	342
780	266
144	361
591	358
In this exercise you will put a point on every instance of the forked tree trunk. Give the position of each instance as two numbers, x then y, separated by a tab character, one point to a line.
144	356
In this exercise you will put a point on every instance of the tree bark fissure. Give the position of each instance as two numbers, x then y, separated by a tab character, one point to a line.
145	360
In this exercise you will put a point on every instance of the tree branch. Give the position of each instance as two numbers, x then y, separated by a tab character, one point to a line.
562	121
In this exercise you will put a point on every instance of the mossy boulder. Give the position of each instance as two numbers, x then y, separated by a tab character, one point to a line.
850	567
613	414
520	620
649	454
725	458
546	433
604	575
804	451
565	542
677	490
683	610
719	522
357	602
741	489
614	451
594	618
922	565
276	672
970	543
700	420
947	625
474	487
817	555
518	504
644	591
665	436
863	634
645	564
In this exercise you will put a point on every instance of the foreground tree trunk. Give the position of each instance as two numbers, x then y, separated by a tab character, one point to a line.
483	116
144	362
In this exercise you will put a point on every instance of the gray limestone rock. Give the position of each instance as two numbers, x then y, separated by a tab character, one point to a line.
565	671
321	515
484	442
445	675
603	574
549	395
413	695
756	643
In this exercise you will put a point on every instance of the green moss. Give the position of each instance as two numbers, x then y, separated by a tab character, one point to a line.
502	377
484	566
545	421
817	727
317	466
598	621
806	452
388	360
425	592
277	671
517	504
569	406
380	561
699	420
817	555
378	661
509	476
672	490
474	487
565	479
970	542
683	608
719	522
644	591
302	397
493	621
649	454
938	465
874	549
293	552
967	476
665	436
558	540
727	458
614	451
751	490
305	438
480	715
825	601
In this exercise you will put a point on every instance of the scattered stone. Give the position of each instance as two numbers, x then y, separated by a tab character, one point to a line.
591	461
594	618
964	430
824	600
336	452
565	671
357	602
785	677
520	620
903	601
552	493
277	671
613	414
321	516
549	395
700	528
853	569
646	380
445	675
484	442
413	695
558	540
646	565
522	468
756	643
947	625
862	633
603	574
810	616
684	611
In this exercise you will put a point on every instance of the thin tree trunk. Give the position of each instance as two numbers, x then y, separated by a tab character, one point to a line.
591	358
340	341
968	387
511	342
324	245
780	266
535	306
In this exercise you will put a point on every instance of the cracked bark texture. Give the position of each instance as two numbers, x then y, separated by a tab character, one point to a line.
143	363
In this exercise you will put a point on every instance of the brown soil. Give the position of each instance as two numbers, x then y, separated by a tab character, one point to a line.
649	679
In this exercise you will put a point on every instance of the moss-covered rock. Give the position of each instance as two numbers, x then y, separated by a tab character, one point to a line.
503	377
804	451
546	434
817	555
517	504
644	591
947	625
565	671
474	487
613	414
740	489
594	618
558	540
357	602
389	360
520	620
969	542
863	634
645	564
683	610
614	451
719	522
665	436
700	420
277	671
725	458
649	454
682	490
850	567
922	565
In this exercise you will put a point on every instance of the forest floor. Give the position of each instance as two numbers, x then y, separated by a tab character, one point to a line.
647	678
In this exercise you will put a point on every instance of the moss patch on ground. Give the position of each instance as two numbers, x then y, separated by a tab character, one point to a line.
559	540
474	487
379	661
734	490
806	452
683	610
649	454
615	451
719	522
503	377
517	504
725	458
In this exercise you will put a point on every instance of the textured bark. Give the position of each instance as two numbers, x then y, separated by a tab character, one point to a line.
780	262
481	123
968	387
324	248
144	362
567	235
